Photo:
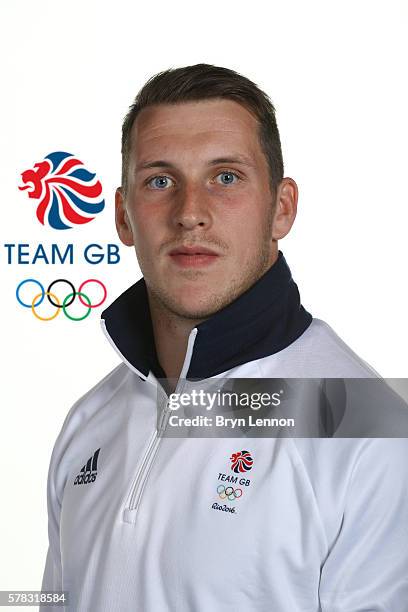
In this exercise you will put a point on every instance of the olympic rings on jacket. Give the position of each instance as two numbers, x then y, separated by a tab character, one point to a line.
55	301
228	492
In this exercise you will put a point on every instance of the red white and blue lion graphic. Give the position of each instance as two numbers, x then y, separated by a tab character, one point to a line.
68	193
241	461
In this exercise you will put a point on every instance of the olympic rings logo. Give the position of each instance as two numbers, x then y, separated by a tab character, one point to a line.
228	492
55	301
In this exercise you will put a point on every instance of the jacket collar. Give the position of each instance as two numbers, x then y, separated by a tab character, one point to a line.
262	321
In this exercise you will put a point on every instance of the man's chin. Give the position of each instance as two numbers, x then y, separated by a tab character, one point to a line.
191	310
199	300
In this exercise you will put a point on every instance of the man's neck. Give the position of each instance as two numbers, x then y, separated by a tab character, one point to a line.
171	333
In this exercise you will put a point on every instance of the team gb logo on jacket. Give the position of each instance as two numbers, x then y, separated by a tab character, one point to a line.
67	193
230	487
241	461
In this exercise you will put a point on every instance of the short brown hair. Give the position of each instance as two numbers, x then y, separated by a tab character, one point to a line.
202	82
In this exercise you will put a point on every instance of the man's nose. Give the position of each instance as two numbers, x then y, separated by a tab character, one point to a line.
192	207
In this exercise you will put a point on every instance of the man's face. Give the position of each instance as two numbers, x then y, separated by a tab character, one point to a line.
198	181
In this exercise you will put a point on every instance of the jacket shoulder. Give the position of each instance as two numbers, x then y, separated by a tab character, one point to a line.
318	353
80	414
85	407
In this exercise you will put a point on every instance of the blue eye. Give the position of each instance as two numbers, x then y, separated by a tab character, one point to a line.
159	182
227	178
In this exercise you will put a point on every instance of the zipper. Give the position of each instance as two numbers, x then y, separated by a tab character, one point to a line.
154	442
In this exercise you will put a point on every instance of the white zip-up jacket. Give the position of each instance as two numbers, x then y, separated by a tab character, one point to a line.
139	522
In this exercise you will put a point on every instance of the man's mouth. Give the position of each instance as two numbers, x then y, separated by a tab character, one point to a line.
193	256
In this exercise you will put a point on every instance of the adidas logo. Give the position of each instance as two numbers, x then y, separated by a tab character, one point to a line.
88	472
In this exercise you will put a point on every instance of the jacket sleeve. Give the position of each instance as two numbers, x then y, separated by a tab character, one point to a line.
367	566
52	577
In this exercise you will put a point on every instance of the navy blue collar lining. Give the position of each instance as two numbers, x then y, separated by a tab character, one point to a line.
262	321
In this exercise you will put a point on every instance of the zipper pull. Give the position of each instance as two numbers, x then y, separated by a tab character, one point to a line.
164	413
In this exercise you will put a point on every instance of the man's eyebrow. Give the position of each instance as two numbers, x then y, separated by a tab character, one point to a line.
235	159
161	163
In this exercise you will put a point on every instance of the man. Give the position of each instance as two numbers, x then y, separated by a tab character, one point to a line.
146	524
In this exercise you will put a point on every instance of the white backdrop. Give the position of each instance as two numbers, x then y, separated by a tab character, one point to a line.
336	72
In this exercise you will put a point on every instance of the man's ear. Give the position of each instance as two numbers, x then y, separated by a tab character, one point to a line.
286	208
123	226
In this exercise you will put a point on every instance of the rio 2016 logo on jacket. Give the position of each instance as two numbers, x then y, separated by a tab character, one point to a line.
67	193
241	461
